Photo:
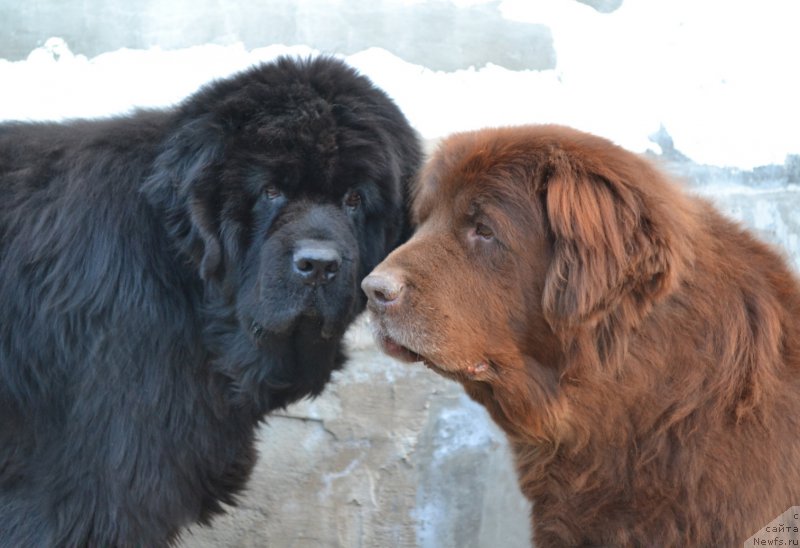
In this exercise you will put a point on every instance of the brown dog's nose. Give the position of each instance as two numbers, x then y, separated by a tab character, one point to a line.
382	289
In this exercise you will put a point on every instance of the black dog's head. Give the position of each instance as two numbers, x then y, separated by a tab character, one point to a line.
284	186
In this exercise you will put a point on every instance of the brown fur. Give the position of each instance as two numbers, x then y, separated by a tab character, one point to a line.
640	350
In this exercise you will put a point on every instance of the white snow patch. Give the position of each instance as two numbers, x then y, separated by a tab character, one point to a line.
718	75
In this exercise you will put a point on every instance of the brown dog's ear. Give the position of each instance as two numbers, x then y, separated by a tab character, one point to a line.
612	251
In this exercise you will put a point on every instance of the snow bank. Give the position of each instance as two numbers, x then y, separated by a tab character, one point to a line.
719	75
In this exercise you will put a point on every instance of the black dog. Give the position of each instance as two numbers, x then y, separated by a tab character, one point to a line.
168	278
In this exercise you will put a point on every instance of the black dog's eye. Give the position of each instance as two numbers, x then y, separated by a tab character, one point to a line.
272	192
483	231
352	199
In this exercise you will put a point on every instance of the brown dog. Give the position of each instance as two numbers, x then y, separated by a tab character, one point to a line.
641	351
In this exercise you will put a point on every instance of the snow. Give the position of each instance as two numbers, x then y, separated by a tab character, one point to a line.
719	75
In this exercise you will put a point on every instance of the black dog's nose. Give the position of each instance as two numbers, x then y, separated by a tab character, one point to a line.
382	289
316	262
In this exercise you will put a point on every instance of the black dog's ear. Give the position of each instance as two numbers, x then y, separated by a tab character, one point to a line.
183	186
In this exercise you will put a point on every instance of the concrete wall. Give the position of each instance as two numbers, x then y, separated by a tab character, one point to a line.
390	455
474	35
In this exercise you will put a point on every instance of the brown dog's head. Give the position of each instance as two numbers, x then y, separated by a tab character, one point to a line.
537	250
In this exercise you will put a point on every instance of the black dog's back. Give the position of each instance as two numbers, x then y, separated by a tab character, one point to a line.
87	389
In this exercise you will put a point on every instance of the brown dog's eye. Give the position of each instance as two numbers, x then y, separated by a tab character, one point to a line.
483	231
352	199
272	192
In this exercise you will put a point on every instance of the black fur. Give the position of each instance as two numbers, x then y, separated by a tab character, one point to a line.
158	291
